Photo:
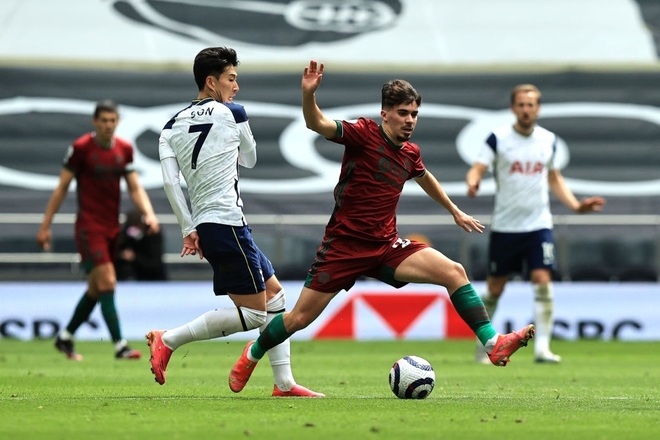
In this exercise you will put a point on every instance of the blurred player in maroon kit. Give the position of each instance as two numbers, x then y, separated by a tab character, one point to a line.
361	237
97	161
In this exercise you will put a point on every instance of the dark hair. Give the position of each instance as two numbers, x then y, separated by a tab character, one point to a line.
106	105
397	92
213	61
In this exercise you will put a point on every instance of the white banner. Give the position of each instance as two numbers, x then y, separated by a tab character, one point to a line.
371	310
355	33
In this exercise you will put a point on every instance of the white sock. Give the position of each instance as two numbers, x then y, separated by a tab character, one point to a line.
213	324
65	335
280	355
543	319
120	344
490	344
490	302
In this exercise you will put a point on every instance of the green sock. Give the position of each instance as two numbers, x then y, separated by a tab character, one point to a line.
81	313
471	309
107	300
274	334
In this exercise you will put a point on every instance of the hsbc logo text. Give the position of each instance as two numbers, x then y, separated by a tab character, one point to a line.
40	328
429	315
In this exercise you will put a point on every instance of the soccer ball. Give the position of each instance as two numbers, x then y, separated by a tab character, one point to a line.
412	377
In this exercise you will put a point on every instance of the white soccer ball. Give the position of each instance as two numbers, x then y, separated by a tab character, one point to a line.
412	377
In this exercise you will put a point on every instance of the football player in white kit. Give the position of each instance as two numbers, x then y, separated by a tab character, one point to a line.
206	142
522	159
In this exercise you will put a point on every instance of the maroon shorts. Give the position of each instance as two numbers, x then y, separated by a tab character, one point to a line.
341	261
96	247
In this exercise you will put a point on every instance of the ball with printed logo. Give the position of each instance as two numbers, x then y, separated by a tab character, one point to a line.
412	377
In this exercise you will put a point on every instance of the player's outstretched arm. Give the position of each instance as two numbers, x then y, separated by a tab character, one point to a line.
432	187
590	204
473	178
315	120
141	200
172	186
565	195
44	234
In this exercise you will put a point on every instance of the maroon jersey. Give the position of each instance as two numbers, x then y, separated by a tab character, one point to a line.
98	173
373	172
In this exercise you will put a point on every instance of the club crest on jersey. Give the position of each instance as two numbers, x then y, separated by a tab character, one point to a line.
289	22
526	167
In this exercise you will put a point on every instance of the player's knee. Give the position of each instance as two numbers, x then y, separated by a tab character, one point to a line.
495	288
451	276
105	285
297	321
277	304
458	271
495	292
252	318
273	286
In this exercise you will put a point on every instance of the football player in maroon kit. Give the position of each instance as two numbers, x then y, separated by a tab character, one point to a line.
361	237
98	161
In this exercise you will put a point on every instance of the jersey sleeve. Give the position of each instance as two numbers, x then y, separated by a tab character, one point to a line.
73	158
418	168
172	182
552	163
172	186
247	151
486	154
128	157
350	133
164	148
248	146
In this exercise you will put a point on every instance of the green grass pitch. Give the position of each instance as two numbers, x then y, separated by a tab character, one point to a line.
602	390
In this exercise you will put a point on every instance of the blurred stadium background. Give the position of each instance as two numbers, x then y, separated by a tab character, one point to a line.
596	63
